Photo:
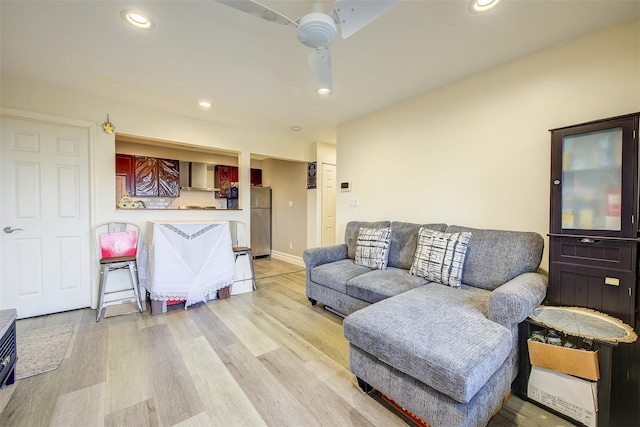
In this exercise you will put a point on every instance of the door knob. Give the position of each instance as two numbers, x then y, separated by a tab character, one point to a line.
10	230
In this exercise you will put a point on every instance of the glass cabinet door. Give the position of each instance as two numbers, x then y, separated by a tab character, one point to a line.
593	177
592	180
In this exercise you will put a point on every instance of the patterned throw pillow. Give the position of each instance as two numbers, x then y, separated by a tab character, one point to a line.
440	256
372	248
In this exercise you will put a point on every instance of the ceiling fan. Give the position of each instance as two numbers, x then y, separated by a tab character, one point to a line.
318	29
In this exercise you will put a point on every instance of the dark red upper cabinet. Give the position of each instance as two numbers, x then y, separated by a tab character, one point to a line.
157	177
168	178
226	180
256	177
125	167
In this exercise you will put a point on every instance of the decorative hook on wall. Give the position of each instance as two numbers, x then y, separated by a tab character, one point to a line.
108	126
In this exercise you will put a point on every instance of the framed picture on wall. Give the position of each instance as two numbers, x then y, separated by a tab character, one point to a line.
311	175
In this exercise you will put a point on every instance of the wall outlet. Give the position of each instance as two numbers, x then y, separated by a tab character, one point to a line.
354	203
290	245
290	204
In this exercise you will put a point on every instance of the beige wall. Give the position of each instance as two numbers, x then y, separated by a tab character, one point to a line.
288	182
476	152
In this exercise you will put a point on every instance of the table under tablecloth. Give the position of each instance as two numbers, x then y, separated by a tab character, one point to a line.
187	261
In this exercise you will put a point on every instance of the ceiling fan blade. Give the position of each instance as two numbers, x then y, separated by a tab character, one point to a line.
320	62
355	14
261	11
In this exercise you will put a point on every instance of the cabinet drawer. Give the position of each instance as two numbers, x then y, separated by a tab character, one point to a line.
611	254
600	289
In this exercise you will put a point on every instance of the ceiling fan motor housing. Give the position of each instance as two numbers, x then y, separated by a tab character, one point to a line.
317	30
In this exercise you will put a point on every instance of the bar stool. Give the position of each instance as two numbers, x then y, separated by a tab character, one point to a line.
245	251
238	232
117	248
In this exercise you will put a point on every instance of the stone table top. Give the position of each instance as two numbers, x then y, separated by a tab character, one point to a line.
585	323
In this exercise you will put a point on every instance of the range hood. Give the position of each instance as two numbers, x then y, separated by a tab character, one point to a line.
195	176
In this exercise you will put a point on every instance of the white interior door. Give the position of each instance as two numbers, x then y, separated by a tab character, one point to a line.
45	265
328	204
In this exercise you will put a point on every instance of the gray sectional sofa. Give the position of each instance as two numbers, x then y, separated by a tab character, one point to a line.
446	354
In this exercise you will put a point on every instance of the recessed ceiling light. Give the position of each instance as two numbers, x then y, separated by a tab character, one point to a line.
479	6
324	91
137	19
205	104
296	128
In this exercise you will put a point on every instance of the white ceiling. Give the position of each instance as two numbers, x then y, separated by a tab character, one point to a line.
256	73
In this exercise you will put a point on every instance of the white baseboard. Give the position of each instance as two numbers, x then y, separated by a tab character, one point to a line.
291	259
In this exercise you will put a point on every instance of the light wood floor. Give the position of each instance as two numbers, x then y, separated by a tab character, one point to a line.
262	358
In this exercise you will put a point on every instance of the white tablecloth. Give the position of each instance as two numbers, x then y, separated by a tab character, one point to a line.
187	260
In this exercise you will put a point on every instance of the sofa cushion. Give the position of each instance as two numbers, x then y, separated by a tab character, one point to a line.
335	275
372	248
436	334
440	256
378	285
353	229
404	236
496	256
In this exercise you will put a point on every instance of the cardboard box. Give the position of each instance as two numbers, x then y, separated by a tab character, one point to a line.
566	394
581	363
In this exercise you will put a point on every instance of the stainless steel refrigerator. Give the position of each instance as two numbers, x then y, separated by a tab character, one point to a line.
261	221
